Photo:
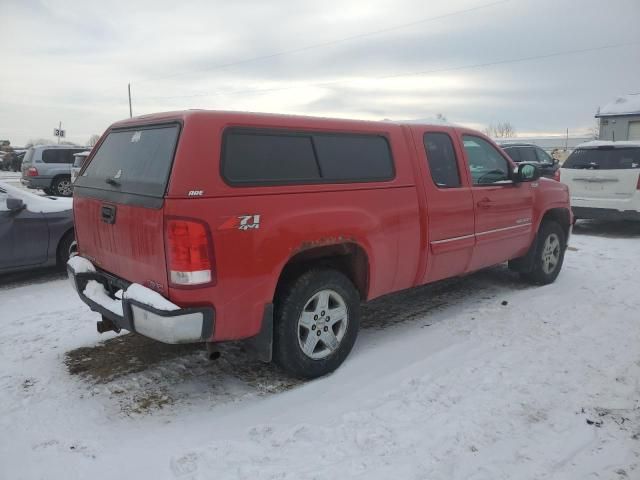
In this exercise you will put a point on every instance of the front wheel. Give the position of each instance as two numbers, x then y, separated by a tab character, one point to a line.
549	254
317	321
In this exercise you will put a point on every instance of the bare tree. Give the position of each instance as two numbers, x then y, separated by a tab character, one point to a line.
93	140
500	130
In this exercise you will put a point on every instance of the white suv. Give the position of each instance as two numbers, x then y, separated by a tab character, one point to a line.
604	180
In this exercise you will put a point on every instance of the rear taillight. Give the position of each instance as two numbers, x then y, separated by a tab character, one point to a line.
189	253
556	175
32	172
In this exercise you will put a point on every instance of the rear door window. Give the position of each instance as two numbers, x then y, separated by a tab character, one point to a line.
604	159
514	153
133	160
441	156
59	155
528	154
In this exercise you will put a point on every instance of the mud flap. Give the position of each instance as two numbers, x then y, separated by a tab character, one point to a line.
261	346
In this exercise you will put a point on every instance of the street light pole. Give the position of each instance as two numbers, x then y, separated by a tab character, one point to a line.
59	131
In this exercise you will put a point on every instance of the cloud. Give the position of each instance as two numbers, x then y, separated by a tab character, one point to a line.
72	60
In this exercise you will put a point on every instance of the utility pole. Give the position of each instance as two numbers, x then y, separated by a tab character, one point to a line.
130	110
59	130
566	142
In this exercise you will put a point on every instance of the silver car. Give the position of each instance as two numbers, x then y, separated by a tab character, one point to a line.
48	168
35	231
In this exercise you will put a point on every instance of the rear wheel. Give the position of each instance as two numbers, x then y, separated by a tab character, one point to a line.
317	321
62	186
549	254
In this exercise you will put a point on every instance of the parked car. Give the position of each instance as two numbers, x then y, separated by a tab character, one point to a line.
35	231
11	160
204	226
78	161
527	152
604	180
48	168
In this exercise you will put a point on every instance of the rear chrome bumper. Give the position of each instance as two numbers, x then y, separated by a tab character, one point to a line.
107	295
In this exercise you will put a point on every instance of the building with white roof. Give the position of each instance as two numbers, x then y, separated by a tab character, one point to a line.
620	119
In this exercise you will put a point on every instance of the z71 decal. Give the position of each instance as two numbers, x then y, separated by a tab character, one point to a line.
242	222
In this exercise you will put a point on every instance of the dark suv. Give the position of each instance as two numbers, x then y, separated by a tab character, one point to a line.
530	153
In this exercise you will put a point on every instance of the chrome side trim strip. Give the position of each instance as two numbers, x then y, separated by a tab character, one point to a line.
504	229
452	239
464	237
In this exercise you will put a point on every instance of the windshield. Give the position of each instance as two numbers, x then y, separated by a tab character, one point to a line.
136	161
604	159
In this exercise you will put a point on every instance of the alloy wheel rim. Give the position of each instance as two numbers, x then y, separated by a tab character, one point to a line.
322	324
550	253
64	187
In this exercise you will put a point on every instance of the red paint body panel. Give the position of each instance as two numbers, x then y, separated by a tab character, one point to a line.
411	231
134	249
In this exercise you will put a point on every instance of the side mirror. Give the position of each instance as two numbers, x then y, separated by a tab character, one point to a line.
527	172
15	204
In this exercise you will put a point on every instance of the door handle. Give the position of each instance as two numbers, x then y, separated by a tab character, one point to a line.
485	203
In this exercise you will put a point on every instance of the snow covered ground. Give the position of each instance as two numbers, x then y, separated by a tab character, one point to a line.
12	178
477	378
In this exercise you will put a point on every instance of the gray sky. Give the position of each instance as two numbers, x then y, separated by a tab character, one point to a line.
71	60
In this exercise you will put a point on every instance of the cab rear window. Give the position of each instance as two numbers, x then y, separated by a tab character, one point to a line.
604	159
135	161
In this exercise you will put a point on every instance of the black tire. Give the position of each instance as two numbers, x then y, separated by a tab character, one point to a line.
62	187
541	272
65	248
292	299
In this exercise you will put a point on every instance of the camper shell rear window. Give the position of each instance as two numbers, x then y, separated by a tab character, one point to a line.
134	160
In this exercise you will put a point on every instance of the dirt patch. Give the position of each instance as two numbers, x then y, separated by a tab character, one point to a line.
119	356
142	376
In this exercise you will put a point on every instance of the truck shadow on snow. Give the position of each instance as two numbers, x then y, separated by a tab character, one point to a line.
30	277
144	376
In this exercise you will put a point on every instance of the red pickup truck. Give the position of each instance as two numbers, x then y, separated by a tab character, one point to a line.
208	226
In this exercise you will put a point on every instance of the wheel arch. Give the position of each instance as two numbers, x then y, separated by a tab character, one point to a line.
349	258
560	215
